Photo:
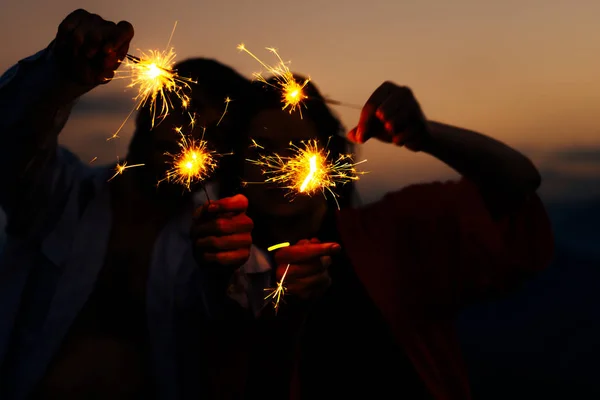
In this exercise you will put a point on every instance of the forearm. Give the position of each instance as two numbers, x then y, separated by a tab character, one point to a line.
497	169
35	102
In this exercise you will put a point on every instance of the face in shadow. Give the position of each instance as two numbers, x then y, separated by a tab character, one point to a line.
274	129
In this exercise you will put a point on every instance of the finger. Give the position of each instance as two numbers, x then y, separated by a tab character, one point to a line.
234	204
227	258
309	287
207	210
352	136
121	37
298	254
315	240
92	44
403	117
368	124
229	242
70	23
240	223
393	114
90	33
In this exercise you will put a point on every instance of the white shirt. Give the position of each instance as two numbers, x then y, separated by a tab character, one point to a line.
61	224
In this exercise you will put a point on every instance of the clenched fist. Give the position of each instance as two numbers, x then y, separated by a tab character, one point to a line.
221	233
89	49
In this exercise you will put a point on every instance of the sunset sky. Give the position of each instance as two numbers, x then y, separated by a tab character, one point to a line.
525	72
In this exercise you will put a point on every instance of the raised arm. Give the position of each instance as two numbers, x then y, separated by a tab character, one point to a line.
504	176
459	241
36	97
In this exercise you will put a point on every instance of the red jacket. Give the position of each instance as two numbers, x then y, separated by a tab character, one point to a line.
424	252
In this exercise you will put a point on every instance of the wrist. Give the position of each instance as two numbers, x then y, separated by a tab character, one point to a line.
425	139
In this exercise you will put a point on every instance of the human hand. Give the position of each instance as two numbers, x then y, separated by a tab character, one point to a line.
221	233
307	275
393	115
89	49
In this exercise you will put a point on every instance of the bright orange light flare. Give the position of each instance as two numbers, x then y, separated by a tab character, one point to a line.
153	75
194	163
308	170
292	92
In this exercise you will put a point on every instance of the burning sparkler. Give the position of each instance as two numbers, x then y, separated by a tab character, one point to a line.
152	73
292	92
194	163
276	294
227	101
121	167
308	170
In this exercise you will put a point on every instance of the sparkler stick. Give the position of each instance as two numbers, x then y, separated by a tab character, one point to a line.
227	101
120	168
276	294
342	104
206	193
308	170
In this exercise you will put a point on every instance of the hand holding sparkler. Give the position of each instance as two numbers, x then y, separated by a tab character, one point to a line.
304	267
392	114
221	233
89	49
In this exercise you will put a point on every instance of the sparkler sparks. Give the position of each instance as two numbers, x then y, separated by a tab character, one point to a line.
292	92
120	169
276	294
308	170
227	101
152	73
194	162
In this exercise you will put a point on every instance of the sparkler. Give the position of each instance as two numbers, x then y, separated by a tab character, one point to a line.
308	170
194	163
276	294
120	168
292	92
227	101
152	73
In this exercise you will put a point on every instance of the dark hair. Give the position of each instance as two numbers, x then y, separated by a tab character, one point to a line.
214	82
329	131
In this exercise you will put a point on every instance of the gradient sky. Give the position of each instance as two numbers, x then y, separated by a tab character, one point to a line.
525	72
